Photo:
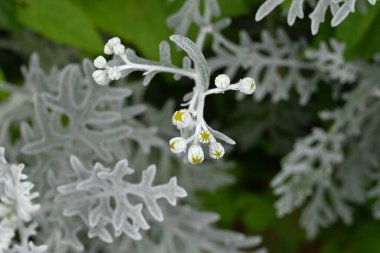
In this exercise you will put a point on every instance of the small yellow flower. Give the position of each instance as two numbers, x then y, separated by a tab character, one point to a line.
172	144
218	154
182	118
205	136
177	145
195	154
252	87
216	150
178	116
196	160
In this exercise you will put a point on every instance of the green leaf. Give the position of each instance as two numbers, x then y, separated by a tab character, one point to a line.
259	213
2	77
8	17
234	8
286	5
142	23
361	33
366	238
216	202
60	21
3	94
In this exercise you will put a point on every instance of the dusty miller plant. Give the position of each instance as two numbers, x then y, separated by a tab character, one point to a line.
89	143
336	165
75	136
332	168
339	9
86	147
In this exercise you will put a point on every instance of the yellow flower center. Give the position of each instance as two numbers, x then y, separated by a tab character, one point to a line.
205	136
218	154
252	86
172	144
196	159
178	116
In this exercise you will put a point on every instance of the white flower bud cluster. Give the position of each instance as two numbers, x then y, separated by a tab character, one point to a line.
186	120
195	153
114	46
183	120
246	85
195	133
106	73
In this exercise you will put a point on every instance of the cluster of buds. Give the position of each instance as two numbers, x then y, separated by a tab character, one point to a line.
246	85
184	120
105	73
195	133
187	120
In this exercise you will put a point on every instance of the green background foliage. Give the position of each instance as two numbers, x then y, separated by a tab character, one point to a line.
62	31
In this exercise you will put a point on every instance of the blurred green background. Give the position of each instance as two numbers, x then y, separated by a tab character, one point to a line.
64	31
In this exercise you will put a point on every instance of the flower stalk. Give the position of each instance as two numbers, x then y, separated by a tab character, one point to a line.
190	119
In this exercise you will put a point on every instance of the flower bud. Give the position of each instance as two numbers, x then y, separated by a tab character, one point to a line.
222	81
247	85
109	47
100	76
195	154
182	118
177	145
100	62
216	150
114	73
119	49
204	136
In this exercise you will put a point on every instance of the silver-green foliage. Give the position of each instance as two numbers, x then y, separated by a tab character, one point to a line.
334	166
17	209
329	169
339	9
63	112
101	197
